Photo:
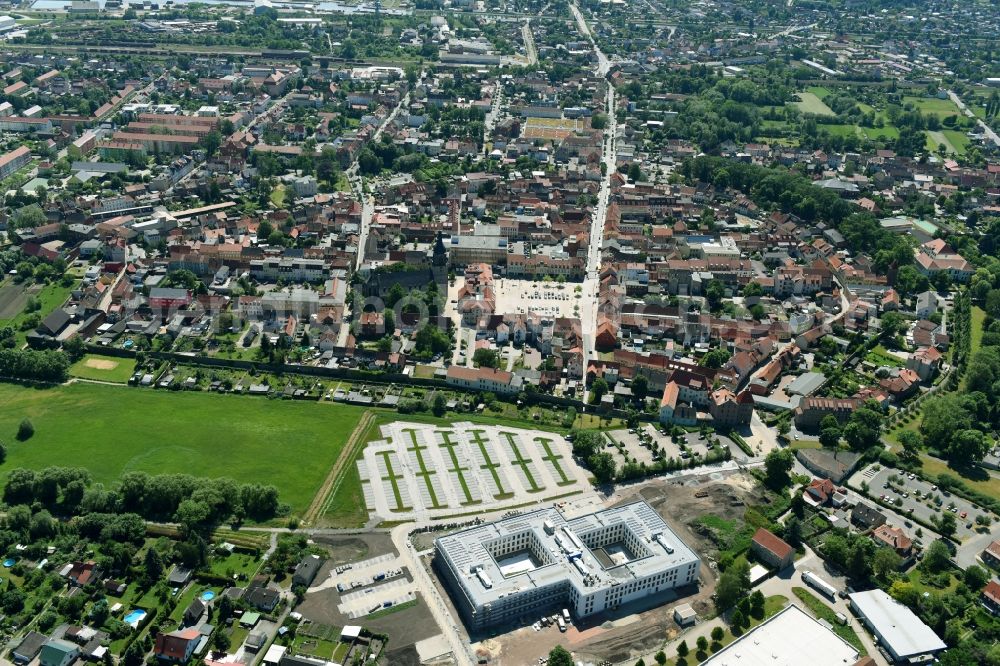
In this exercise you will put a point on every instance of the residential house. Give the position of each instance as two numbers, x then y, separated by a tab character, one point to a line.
926	362
58	652
990	596
894	538
991	554
306	570
866	517
29	647
811	410
177	646
822	492
771	550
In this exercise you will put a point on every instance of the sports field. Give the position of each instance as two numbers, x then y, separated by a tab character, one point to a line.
103	368
111	430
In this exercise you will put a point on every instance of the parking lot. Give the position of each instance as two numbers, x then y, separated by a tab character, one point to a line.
914	497
631	442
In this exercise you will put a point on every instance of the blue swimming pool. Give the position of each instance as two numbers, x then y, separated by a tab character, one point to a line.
135	617
207	595
9	562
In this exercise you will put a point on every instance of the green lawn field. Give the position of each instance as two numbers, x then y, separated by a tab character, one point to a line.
932	106
111	430
810	103
49	297
886	132
103	368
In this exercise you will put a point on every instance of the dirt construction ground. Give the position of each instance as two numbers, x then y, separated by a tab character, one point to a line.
647	624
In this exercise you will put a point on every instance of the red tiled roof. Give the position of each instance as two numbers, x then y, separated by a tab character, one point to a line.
771	543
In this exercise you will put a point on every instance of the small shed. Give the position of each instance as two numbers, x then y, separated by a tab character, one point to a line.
684	615
250	620
350	633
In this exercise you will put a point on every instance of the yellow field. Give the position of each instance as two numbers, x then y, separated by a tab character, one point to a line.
552	128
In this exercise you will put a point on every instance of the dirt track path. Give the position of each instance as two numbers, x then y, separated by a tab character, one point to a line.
347	456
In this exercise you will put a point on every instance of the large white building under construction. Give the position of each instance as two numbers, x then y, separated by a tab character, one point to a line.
528	564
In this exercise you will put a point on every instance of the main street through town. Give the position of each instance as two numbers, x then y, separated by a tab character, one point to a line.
588	315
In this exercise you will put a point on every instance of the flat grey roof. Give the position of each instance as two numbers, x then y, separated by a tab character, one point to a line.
468	550
901	630
806	384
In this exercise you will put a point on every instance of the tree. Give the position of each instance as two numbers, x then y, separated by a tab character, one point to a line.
864	427
715	358
885	562
486	358
946	524
737	620
937	557
440	405
829	433
715	291
389	321
369	163
640	386
912	442
211	142
153	566
28	216
752	289
702	644
599	388
603	466
660	658
975	577
757	602
560	656
942	417
682	649
395	294
892	324
777	464
25	430
225	609
718	633
793	531
221	641
967	446
733	586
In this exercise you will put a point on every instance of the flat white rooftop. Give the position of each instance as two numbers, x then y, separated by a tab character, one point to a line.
790	638
901	630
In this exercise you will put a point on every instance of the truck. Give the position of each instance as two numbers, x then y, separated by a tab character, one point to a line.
817	583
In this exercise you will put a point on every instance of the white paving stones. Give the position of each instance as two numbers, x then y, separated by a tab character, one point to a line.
426	470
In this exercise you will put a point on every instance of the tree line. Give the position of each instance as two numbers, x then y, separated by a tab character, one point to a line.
196	503
38	365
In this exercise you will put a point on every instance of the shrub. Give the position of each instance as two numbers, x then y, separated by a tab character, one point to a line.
25	430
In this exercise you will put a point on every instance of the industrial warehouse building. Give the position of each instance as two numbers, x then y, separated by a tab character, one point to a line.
790	637
897	628
534	562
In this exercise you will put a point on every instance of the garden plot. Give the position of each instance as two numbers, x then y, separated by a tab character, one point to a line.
423	469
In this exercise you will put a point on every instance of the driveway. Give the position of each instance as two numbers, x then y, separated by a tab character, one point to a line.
784	581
